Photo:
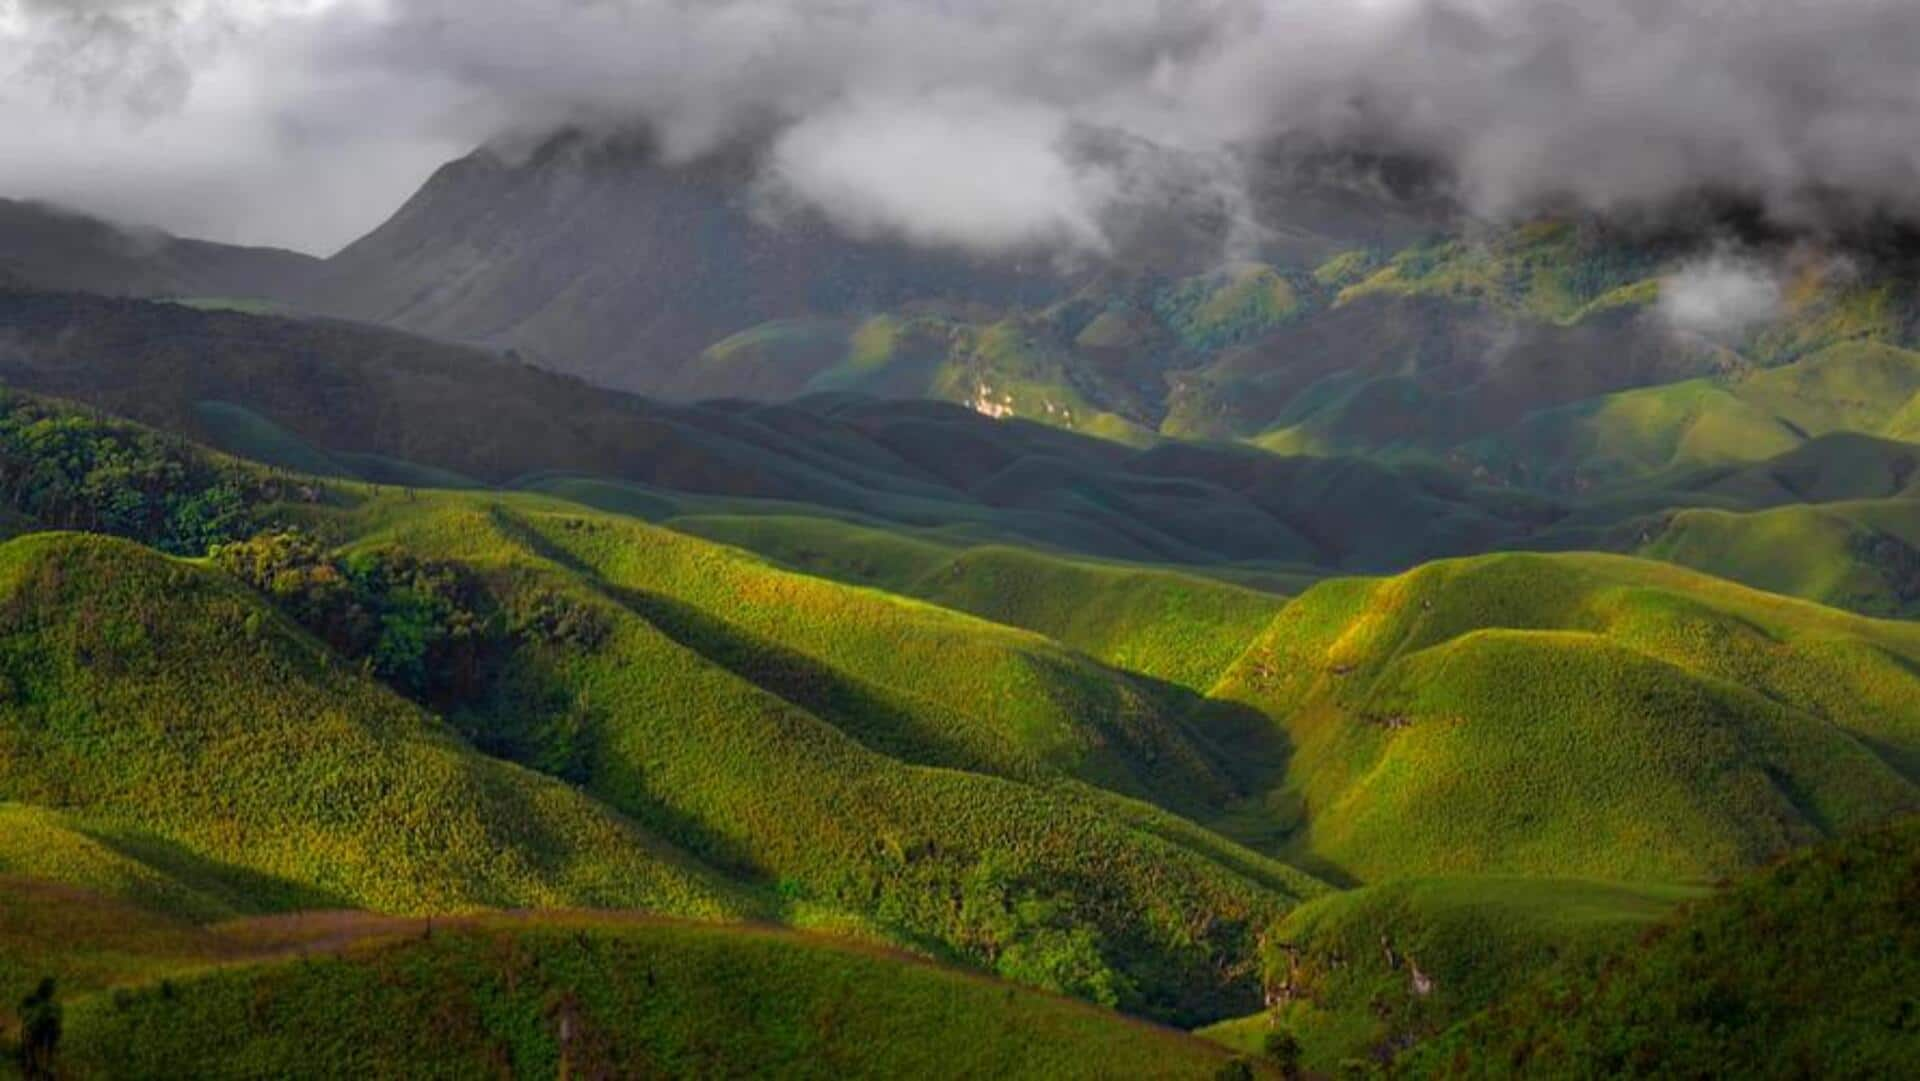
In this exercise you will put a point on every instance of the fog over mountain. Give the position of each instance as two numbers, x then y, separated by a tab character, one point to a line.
304	122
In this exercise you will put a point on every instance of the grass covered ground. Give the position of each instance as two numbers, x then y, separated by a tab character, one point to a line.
1163	623
175	711
1807	970
585	995
1575	715
1093	777
1862	556
863	752
1358	975
1864	388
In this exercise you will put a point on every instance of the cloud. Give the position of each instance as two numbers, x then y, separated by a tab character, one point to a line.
1720	297
1806	108
955	170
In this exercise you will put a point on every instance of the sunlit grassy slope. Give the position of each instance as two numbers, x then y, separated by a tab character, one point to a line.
854	751
173	712
1576	715
1174	626
867	752
1863	556
581	995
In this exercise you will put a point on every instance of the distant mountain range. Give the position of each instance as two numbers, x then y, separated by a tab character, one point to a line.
53	248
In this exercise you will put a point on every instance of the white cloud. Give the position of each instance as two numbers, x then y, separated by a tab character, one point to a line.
959	170
304	119
1719	297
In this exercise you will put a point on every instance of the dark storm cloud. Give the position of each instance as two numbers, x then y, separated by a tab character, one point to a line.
955	121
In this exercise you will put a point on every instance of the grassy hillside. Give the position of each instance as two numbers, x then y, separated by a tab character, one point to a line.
1807	970
1862	556
585	995
1359	974
868	753
1575	715
1857	387
1162	623
175	713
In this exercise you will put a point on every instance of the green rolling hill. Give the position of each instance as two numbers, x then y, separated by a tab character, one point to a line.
1373	971
1806	969
569	994
1575	715
164	708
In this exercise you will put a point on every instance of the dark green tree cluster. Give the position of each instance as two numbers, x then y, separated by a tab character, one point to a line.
69	470
431	629
1032	938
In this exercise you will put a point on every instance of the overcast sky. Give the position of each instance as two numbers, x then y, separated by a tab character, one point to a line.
306	122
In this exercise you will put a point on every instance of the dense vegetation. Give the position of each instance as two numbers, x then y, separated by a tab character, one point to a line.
429	628
67	469
1808	970
579	996
1359	975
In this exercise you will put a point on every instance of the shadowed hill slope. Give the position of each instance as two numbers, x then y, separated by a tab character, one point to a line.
305	393
49	248
537	254
1807	969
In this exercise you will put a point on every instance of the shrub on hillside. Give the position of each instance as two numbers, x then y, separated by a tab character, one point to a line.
431	629
70	470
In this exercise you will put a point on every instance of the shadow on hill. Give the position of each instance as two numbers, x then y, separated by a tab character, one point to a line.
1236	744
862	711
241	889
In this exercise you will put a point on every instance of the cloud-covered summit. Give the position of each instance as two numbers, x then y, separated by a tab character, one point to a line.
954	121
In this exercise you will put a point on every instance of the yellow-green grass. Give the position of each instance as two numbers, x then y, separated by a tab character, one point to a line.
1548	270
1345	268
1216	310
1575	715
1010	369
783	727
1805	970
1160	622
119	864
177	713
1823	307
1861	556
592	996
1858	387
1343	967
1832	468
1640	433
971	694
